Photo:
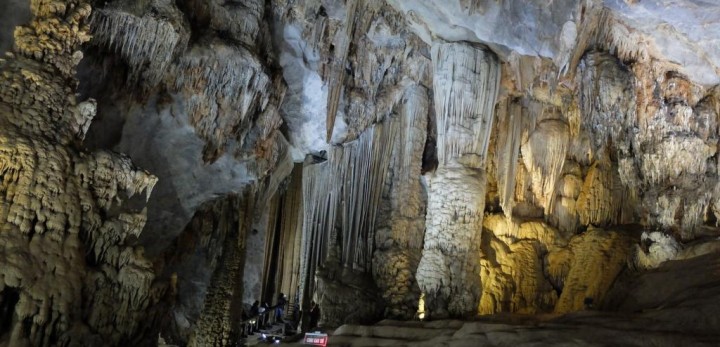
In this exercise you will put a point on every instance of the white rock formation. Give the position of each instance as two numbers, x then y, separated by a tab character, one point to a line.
466	81
584	121
656	248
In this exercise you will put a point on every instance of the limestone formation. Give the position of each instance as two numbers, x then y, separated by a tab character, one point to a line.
72	272
530	162
146	40
466	81
398	240
596	258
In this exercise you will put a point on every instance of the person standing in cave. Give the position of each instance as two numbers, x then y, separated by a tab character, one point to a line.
263	311
282	300
255	309
253	317
314	315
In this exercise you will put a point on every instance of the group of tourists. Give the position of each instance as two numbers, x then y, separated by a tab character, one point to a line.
258	316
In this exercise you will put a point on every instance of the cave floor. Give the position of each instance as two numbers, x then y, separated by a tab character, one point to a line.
676	304
590	328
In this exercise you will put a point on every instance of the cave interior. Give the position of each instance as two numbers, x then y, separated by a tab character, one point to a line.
425	172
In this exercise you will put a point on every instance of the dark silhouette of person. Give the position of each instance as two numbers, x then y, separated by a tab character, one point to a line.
314	315
255	309
282	300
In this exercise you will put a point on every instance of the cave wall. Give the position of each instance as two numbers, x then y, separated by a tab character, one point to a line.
570	153
385	155
72	271
14	13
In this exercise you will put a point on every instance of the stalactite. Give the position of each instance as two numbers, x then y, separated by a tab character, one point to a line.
615	36
291	231
319	211
653	122
271	256
674	158
281	162
146	43
398	240
466	81
240	21
336	76
544	156
362	167
340	201
607	101
595	203
508	149
225	87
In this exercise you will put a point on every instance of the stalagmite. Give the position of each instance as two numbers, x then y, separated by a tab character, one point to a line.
656	248
596	258
466	81
218	324
568	190
512	266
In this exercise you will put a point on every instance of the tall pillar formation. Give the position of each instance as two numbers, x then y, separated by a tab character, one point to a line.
466	82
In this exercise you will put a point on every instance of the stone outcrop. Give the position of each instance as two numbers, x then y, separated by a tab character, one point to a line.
384	158
72	272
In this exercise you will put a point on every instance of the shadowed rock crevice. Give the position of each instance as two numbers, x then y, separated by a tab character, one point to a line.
551	167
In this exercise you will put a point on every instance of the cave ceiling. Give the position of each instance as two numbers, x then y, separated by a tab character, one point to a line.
163	163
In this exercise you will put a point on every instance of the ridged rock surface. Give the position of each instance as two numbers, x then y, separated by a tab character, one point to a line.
386	159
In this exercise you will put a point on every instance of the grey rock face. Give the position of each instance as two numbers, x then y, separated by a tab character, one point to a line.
383	158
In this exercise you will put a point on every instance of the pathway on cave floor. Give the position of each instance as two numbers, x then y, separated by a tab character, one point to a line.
587	328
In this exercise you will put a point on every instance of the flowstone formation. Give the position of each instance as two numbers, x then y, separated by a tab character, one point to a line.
72	273
363	201
386	159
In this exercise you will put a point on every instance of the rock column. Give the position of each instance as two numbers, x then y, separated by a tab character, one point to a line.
466	82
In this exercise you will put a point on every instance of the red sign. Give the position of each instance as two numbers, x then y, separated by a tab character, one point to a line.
315	339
